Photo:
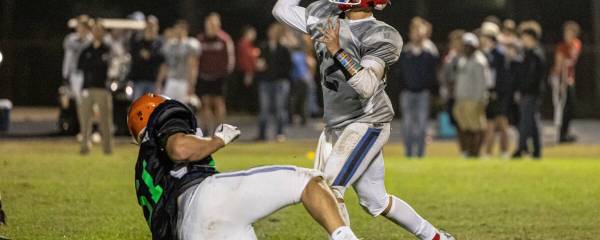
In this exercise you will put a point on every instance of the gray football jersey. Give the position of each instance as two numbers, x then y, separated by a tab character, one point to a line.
342	104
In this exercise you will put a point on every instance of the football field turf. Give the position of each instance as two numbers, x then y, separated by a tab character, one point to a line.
50	192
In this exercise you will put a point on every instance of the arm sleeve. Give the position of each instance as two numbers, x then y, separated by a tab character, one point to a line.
368	79
289	13
381	49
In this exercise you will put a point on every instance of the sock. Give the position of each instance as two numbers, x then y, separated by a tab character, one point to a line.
343	233
344	212
405	216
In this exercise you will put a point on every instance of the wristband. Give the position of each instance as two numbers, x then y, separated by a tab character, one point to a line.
349	66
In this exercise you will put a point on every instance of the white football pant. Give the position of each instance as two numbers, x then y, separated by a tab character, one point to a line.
353	157
224	206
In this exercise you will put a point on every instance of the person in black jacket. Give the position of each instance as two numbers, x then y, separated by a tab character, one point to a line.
274	66
184	197
418	66
147	61
93	62
529	90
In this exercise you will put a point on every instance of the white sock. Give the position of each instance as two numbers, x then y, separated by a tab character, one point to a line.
343	233
404	215
344	212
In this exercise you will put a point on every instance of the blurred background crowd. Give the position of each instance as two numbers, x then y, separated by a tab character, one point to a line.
474	85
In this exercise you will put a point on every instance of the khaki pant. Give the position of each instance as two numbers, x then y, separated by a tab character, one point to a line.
470	115
103	99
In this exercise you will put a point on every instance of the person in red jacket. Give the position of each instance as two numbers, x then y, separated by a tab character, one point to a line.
244	92
563	79
216	62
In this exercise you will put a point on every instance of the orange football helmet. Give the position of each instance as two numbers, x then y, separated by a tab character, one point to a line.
139	113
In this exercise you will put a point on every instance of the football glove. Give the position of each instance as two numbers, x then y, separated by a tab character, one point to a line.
227	133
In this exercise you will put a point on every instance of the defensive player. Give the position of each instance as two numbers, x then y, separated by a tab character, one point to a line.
355	51
184	197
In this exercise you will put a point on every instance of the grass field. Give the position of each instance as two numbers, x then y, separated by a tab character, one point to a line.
50	192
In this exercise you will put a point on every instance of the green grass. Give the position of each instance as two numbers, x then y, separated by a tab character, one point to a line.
50	192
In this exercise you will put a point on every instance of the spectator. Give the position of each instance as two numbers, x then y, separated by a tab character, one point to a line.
529	93
448	78
472	78
508	35
94	63
418	66
274	66
563	78
147	61
180	53
501	93
449	65
301	77
215	63
247	55
312	98
74	43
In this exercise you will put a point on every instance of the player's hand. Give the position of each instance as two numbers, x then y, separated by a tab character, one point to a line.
331	36
227	133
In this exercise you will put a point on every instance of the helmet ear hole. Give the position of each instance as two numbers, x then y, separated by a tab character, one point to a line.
140	112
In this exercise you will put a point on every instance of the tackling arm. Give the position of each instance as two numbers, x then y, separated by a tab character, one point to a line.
289	13
186	147
183	147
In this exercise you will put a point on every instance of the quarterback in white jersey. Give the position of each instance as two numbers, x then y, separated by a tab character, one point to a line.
355	50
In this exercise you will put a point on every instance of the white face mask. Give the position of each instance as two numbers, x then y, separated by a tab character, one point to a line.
347	2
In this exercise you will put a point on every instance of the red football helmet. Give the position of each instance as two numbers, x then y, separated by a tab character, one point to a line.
346	5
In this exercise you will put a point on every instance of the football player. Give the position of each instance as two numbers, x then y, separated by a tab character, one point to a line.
184	197
355	50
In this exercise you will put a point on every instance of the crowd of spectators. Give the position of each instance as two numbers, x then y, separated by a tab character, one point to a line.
487	78
200	71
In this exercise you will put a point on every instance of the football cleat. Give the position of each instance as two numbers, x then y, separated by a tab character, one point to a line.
443	235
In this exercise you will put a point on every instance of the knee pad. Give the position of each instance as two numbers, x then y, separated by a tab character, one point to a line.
375	205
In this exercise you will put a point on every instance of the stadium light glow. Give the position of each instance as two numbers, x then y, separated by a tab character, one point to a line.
1	58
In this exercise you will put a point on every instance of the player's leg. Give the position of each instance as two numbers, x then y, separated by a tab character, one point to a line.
264	99
219	109
375	200
490	137
86	111
407	121
504	127
324	150
105	104
206	114
227	204
353	151
281	103
422	121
